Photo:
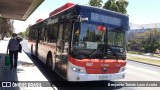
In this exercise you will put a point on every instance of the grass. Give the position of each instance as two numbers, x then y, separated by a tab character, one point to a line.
143	59
156	55
141	53
133	52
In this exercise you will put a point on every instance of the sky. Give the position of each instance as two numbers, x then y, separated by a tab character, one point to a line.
139	11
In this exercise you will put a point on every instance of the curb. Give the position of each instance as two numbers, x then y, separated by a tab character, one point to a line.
144	63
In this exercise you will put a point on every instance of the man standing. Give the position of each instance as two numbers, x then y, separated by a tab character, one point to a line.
13	47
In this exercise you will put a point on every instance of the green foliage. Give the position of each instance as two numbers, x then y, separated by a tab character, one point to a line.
116	5
149	40
133	52
27	31
111	5
20	34
97	3
122	5
131	42
144	60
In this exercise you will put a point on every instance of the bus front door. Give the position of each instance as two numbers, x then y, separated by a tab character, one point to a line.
62	50
59	49
37	41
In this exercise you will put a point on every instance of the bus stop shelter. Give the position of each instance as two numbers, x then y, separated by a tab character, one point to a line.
18	9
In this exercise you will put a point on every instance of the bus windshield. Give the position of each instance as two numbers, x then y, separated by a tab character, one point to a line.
89	40
117	43
89	37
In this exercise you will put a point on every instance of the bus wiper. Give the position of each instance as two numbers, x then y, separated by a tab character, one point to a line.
114	53
99	49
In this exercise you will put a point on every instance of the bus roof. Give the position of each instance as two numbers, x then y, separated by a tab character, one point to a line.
64	7
56	11
70	5
39	20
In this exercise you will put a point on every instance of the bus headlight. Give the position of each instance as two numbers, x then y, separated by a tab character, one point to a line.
122	69
77	69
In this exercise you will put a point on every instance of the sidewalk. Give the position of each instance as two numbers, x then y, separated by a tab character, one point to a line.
26	72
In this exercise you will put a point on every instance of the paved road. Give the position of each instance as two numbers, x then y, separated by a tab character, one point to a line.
134	72
141	72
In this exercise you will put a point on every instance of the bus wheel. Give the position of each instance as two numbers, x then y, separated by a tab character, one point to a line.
32	50
49	62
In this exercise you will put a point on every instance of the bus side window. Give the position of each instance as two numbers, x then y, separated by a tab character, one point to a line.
31	34
52	33
34	34
41	35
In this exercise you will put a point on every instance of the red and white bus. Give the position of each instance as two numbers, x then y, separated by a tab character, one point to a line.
82	43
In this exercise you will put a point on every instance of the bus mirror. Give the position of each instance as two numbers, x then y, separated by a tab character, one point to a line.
83	19
78	18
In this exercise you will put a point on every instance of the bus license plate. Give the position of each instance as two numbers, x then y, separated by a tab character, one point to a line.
103	77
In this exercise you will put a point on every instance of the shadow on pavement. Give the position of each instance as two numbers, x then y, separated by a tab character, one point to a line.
26	64
7	74
57	81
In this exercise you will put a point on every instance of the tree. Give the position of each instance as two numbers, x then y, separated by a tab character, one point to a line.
6	26
122	5
111	5
97	3
116	5
26	32
150	40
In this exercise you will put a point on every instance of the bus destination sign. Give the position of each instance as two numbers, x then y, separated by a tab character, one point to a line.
105	19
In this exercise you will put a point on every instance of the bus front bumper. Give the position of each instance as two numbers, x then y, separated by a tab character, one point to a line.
76	76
